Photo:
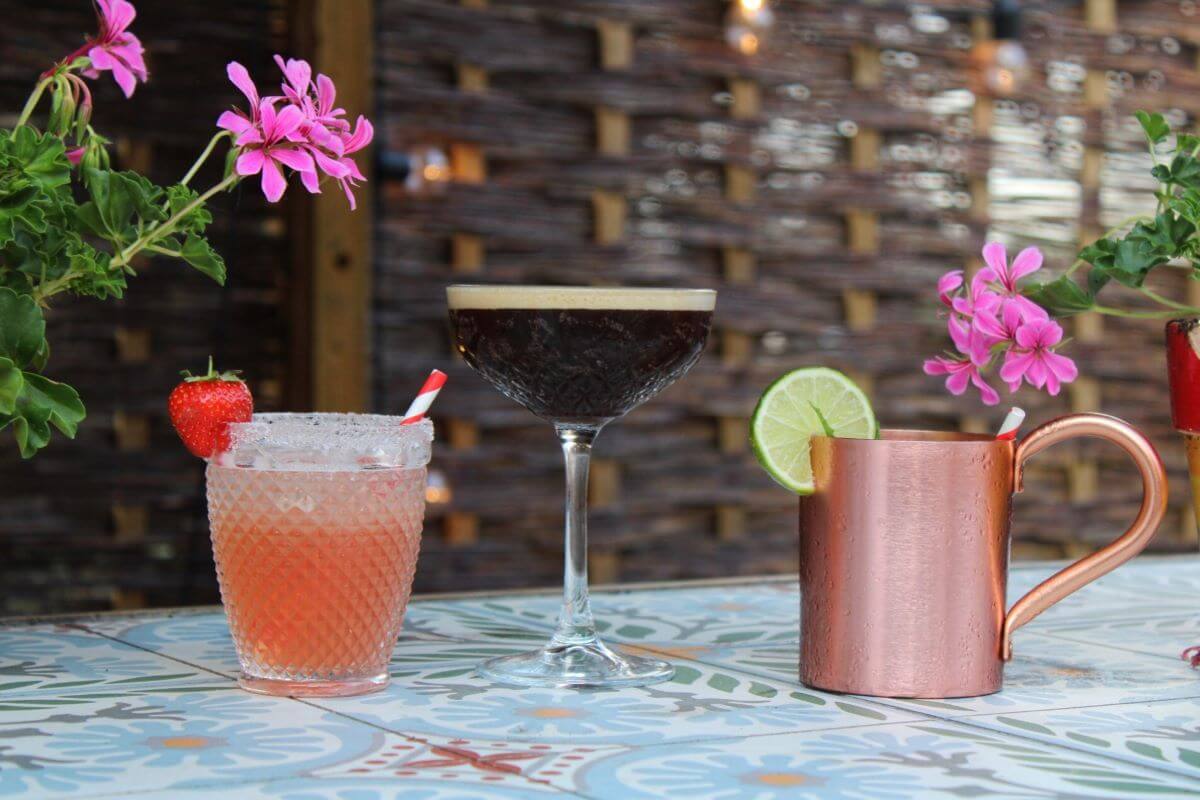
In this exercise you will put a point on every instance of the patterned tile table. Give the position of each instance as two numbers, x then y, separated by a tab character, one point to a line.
1097	704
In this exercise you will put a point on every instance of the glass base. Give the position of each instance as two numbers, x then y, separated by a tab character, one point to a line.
285	688
589	664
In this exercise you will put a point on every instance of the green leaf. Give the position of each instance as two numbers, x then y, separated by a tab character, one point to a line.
762	690
22	327
118	200
65	409
1154	125
31	428
1134	259
1062	297
43	157
11	383
196	220
197	252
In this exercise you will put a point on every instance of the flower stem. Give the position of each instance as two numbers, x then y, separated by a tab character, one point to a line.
159	231
144	242
1166	301
32	102
212	143
1117	312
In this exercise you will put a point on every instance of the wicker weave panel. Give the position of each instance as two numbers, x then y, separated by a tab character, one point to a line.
116	517
936	187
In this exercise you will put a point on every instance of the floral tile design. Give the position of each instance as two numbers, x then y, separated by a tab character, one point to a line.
44	665
171	741
922	760
1163	637
701	701
1163	734
1096	704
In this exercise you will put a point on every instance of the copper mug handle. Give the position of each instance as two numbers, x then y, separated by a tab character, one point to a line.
1106	559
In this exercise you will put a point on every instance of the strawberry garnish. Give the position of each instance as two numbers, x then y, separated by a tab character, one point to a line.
202	406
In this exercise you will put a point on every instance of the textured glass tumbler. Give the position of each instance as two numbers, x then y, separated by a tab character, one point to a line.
316	525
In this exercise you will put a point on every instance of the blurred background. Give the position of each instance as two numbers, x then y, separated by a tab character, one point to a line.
819	163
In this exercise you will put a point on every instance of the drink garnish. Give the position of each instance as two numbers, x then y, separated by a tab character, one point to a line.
807	402
202	406
1008	429
424	399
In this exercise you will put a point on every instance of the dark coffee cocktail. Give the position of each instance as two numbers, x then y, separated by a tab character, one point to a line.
582	363
579	357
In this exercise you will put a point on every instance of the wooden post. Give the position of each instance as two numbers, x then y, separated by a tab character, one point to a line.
338	37
1083	474
862	226
739	268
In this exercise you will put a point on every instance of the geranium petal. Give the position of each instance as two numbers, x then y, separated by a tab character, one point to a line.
273	182
311	181
1063	367
124	78
1036	372
1027	262
1029	334
996	258
233	121
240	78
989	395
296	159
249	162
287	121
957	382
1015	365
349	194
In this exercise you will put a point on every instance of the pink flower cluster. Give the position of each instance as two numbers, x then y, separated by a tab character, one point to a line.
302	129
114	49
990	319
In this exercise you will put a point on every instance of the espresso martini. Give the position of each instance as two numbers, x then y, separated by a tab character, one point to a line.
579	357
585	355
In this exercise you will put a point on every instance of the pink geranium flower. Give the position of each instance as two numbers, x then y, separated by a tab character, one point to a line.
116	49
237	121
999	274
1033	359
268	149
958	373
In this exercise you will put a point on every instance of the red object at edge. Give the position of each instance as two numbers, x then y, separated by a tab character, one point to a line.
1183	371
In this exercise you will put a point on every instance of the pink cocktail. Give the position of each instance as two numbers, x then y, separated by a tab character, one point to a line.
316	525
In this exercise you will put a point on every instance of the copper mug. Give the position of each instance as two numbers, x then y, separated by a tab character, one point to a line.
904	550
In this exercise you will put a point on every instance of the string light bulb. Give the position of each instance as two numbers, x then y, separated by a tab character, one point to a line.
1001	64
748	25
429	170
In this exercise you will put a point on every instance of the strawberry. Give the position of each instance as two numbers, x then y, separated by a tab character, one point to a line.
202	406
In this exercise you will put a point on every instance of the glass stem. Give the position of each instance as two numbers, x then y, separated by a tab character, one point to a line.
575	623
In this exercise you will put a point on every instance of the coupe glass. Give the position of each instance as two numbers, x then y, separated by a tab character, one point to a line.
316	524
579	358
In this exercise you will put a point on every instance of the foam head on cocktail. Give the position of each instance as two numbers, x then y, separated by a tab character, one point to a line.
579	357
316	525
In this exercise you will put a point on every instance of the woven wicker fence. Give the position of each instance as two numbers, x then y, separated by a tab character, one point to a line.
822	186
116	517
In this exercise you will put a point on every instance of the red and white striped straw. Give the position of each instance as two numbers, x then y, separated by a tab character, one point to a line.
1008	430
429	390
